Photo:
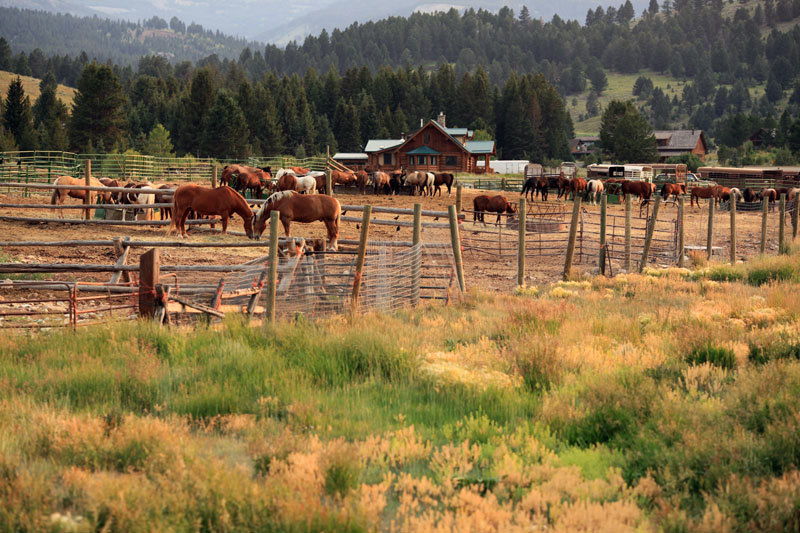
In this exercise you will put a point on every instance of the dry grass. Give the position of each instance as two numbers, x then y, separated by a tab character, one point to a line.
31	87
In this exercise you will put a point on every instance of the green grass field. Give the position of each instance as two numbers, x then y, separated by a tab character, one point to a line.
31	86
666	401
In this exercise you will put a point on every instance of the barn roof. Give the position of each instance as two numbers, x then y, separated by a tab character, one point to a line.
347	155
480	147
424	150
378	145
685	140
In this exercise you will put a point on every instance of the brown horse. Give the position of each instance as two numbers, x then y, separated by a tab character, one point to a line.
640	189
254	181
672	189
361	181
59	195
710	193
108	182
339	177
382	182
165	198
296	207
221	201
442	178
287	182
494	204
576	185
771	195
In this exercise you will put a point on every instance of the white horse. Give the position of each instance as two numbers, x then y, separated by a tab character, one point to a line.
429	184
736	194
594	189
307	184
417	179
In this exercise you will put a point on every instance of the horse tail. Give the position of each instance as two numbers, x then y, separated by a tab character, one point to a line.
54	197
173	226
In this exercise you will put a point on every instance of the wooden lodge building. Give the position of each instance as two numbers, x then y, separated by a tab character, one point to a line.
433	148
676	142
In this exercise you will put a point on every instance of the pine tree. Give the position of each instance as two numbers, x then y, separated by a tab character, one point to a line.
346	127
5	55
158	142
98	115
225	134
195	105
50	117
18	116
653	7
634	141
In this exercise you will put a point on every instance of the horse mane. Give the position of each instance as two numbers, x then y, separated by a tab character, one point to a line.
274	198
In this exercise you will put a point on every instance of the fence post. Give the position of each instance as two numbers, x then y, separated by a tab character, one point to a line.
459	200
573	233
214	174
455	241
328	178
521	245
733	229
149	270
272	277
602	258
87	195
628	215
649	238
782	226
681	231
794	218
416	266
764	210
362	253
710	237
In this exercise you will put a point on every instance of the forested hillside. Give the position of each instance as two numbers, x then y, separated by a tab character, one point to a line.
727	68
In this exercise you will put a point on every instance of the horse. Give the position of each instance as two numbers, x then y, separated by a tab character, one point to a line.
419	180
396	180
163	198
494	204
253	180
531	185
736	195
136	198
640	189
361	181
287	180
295	207
339	177
306	184
563	186
381	181
771	195
723	194
672	189
594	189
222	201
749	195
109	182
575	186
443	178
59	195
229	173
711	193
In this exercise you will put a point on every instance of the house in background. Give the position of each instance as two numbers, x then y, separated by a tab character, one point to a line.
353	161
677	142
580	147
432	148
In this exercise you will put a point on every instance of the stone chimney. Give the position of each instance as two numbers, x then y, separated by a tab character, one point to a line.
442	119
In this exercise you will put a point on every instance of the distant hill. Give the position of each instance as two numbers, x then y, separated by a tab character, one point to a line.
31	86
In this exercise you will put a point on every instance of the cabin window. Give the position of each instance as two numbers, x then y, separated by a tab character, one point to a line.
387	159
421	160
450	161
433	160
427	137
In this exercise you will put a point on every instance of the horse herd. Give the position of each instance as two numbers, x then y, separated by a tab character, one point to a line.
132	196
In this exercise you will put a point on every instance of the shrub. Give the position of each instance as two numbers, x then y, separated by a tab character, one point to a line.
771	272
342	470
716	355
782	349
726	273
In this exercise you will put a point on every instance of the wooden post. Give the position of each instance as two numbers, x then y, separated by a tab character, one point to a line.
328	178
149	270
459	204
573	233
764	209
362	254
272	276
455	241
628	215
782	226
795	212
649	238
88	196
733	229
603	207
710	237
521	245
214	174
681	231
416	266
253	302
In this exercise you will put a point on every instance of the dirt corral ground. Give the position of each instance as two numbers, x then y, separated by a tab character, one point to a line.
484	270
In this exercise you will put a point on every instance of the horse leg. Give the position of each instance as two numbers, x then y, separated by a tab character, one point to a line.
224	224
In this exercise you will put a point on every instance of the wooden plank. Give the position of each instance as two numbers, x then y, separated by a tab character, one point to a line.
149	268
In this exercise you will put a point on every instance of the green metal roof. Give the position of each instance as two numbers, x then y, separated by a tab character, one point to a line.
424	150
480	147
377	145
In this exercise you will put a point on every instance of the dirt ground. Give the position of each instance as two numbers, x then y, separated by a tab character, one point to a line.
480	270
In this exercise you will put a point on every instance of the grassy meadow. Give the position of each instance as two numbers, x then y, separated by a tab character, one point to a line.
31	87
664	401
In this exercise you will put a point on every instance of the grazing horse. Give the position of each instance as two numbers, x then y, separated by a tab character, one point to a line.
396	180
594	189
443	178
339	177
494	204
723	194
137	198
230	172
640	189
287	180
750	195
531	186
222	201
294	207
108	182
306	184
771	195
419	180
672	189
255	181
563	186
712	193
164	198
736	195
59	195
381	182
575	186
321	181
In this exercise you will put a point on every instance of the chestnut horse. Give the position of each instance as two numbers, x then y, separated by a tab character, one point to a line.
339	177
221	201
575	186
382	182
59	195
253	180
495	204
287	181
672	189
443	178
361	181
711	193
296	207
771	195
